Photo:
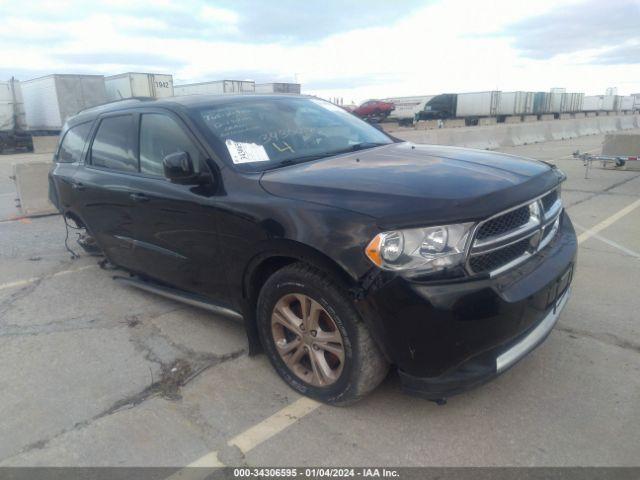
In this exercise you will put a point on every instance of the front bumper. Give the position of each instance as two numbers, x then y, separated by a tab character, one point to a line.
447	337
486	367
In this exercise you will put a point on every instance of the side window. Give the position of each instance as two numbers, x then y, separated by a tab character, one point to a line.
160	136
113	145
73	143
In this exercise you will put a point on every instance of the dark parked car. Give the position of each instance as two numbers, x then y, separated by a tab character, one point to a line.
342	250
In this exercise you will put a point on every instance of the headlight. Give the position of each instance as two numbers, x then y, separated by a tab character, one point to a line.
420	250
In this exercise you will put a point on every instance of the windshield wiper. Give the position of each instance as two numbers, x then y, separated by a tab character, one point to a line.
365	145
316	156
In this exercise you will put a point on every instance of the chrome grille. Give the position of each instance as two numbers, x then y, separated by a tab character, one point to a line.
511	237
493	260
504	223
549	199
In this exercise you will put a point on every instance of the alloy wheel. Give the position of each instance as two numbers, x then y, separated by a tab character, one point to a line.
307	339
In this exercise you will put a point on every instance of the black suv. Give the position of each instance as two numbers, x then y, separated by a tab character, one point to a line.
342	249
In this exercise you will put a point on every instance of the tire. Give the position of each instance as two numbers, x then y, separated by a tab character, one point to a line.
363	366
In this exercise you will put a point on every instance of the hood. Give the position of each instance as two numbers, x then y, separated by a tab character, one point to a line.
403	184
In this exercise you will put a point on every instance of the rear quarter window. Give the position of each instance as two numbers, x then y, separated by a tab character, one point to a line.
114	143
73	143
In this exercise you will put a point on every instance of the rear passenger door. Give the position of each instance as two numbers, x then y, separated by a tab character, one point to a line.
68	158
176	232
103	187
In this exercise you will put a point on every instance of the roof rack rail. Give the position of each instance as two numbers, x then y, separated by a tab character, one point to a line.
139	99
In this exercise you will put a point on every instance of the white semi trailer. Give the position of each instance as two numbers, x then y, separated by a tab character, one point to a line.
50	100
278	87
599	103
478	104
216	87
407	107
134	84
12	121
626	103
11	106
571	102
515	103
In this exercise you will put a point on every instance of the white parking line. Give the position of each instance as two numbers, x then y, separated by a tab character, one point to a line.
622	248
29	281
587	234
254	436
210	460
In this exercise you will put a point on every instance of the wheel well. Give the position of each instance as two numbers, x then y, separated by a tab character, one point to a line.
76	219
270	264
262	272
267	266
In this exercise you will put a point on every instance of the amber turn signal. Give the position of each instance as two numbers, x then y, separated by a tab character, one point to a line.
373	250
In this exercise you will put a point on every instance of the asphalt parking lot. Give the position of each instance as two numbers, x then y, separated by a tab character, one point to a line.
97	374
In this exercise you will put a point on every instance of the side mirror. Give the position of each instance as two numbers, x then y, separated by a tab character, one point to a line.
178	168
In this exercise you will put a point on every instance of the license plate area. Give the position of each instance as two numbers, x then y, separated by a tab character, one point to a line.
558	288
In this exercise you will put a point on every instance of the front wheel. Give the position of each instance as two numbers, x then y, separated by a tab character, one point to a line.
315	338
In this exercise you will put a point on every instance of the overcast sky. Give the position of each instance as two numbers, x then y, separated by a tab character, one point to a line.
346	48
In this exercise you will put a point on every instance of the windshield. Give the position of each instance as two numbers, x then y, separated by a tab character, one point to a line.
264	133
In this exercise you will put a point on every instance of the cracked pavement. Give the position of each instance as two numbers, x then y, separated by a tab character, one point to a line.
93	373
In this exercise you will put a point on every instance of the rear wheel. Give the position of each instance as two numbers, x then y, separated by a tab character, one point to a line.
315	338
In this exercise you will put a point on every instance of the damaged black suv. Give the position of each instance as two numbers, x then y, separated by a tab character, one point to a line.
342	249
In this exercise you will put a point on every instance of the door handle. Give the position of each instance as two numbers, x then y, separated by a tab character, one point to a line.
78	186
139	197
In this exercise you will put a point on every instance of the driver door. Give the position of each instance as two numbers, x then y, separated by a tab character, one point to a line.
176	228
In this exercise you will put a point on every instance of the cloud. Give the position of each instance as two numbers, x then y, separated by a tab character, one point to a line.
295	21
228	20
132	59
355	81
625	55
351	49
576	27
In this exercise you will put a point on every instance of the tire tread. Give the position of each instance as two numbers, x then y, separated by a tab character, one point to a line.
371	366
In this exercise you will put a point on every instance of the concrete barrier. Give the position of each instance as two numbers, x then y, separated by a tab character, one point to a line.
588	126
578	115
608	124
527	133
621	144
44	144
592	114
426	124
487	121
503	134
513	119
32	185
626	123
529	118
563	129
454	123
547	116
